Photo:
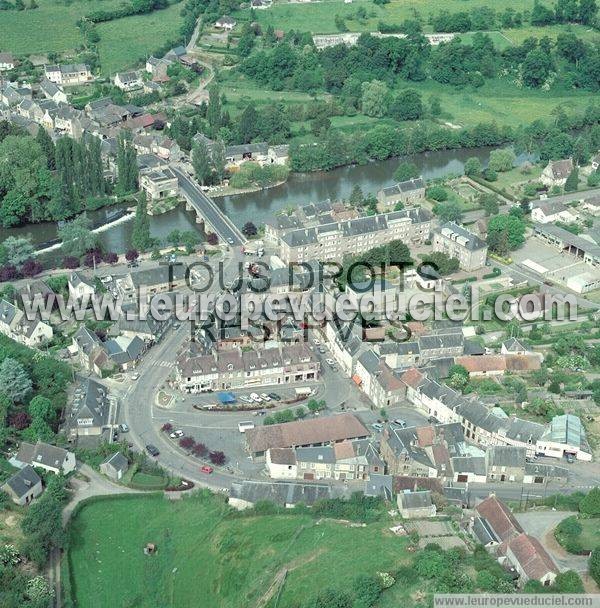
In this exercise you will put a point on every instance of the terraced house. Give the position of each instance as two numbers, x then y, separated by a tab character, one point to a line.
237	368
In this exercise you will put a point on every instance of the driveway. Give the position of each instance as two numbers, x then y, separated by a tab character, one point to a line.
540	525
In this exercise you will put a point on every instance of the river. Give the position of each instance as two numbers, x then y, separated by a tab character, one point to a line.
257	207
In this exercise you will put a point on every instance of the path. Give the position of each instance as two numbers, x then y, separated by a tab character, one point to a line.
541	524
96	486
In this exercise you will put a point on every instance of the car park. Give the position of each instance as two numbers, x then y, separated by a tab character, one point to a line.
206	469
152	450
176	434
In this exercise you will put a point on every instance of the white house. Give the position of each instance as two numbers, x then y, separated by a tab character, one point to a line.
281	463
225	23
45	456
7	62
128	81
552	211
80	285
556	172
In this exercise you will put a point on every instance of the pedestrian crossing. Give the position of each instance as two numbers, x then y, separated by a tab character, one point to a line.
166	363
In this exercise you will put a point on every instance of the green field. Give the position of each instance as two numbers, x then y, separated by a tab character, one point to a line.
205	556
590	535
49	28
124	42
319	17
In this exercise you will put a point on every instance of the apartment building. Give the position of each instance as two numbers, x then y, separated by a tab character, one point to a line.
335	240
457	242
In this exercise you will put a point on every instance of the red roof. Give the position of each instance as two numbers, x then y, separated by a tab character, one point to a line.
532	557
500	518
412	377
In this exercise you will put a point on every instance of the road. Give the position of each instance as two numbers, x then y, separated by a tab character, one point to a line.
207	208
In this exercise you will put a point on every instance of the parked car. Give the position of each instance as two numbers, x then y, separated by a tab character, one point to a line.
377	426
255	397
206	469
265	397
330	362
106	279
400	422
433	420
322	350
570	458
152	450
124	428
316	342
244	399
176	434
275	396
135	376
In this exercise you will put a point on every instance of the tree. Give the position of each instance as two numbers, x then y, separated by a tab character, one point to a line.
217	458
213	111
31	268
572	182
437	193
131	255
406	171
473	166
76	236
505	234
219	161
189	239
315	405
536	67
374	98
331	598
449	212
127	167
489	203
441	262
199	450
249	229
110	257
15	380
201	162
141	238
248	125
594	565
187	443
458	377
47	145
501	160
212	239
590	505
568	582
407	105
16	250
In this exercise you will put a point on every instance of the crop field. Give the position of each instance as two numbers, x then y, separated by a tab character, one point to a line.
227	561
124	42
319	17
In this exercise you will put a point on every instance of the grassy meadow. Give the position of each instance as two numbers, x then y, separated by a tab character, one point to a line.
124	42
226	561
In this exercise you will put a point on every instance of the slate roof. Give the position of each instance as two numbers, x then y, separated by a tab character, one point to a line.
513	345
415	500
41	453
467	239
561	169
90	402
484	532
379	485
506	456
22	481
279	492
8	311
117	461
324	454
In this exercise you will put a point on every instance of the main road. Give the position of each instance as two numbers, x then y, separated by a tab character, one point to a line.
226	230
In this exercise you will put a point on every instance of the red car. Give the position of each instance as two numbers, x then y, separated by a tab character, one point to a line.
206	469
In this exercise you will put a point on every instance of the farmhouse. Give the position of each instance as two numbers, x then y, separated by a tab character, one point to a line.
68	74
529	559
45	456
52	91
499	518
416	505
225	23
305	433
556	172
128	81
23	486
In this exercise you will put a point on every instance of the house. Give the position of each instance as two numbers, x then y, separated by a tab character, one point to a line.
377	380
80	286
505	463
281	463
115	466
149	282
499	518
68	74
225	23
305	433
513	346
45	456
483	532
7	62
469	469
125	352
245	494
159	183
379	486
530	559
552	211
52	91
544	473
416	505
457	242
15	325
23	486
408	192
556	172
128	81
90	410
592	205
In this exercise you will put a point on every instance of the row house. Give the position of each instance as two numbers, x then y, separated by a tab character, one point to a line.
69	74
347	461
239	368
